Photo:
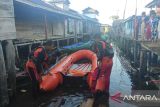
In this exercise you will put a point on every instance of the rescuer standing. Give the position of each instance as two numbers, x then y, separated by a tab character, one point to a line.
105	55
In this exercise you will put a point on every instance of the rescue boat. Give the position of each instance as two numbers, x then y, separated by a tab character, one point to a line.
78	46
66	67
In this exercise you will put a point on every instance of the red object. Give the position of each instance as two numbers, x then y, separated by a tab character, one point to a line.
40	50
101	78
148	31
51	80
30	65
100	85
116	97
104	77
104	44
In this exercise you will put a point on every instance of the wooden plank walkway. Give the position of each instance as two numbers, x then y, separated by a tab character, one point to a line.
88	103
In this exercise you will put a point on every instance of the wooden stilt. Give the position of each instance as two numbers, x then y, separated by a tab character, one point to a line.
4	100
10	67
135	53
67	41
149	58
45	25
57	43
155	59
17	54
141	59
144	62
30	48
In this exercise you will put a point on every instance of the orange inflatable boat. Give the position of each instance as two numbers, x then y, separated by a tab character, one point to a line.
54	78
66	67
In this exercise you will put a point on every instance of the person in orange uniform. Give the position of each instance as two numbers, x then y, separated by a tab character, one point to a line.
105	55
36	65
35	68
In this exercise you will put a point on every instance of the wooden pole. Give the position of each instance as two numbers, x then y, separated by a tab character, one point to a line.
45	22
124	10
30	48
58	44
4	100
155	59
10	67
17	54
149	58
135	35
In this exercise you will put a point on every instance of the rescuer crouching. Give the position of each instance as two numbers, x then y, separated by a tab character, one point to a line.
38	64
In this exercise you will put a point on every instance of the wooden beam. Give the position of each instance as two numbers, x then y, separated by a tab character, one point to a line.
4	100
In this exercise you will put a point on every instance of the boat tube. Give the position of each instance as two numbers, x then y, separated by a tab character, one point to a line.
51	80
65	67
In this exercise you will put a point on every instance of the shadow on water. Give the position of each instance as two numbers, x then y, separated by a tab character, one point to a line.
74	92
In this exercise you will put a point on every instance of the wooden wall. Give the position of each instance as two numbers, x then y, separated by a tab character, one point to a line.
73	27
79	27
7	23
30	30
58	28
35	30
32	23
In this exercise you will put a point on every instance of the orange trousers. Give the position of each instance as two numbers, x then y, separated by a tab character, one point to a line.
106	67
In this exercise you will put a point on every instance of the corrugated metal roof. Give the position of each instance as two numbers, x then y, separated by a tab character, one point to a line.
132	18
42	5
90	19
152	4
46	6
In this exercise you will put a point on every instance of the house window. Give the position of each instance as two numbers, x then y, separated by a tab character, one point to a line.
84	27
70	26
80	27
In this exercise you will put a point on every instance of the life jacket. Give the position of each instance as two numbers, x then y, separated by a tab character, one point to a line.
101	49
103	44
107	50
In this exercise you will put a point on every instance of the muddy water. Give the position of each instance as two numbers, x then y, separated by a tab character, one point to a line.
123	79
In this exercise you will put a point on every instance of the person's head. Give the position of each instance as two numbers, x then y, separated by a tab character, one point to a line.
143	14
97	36
49	45
152	13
